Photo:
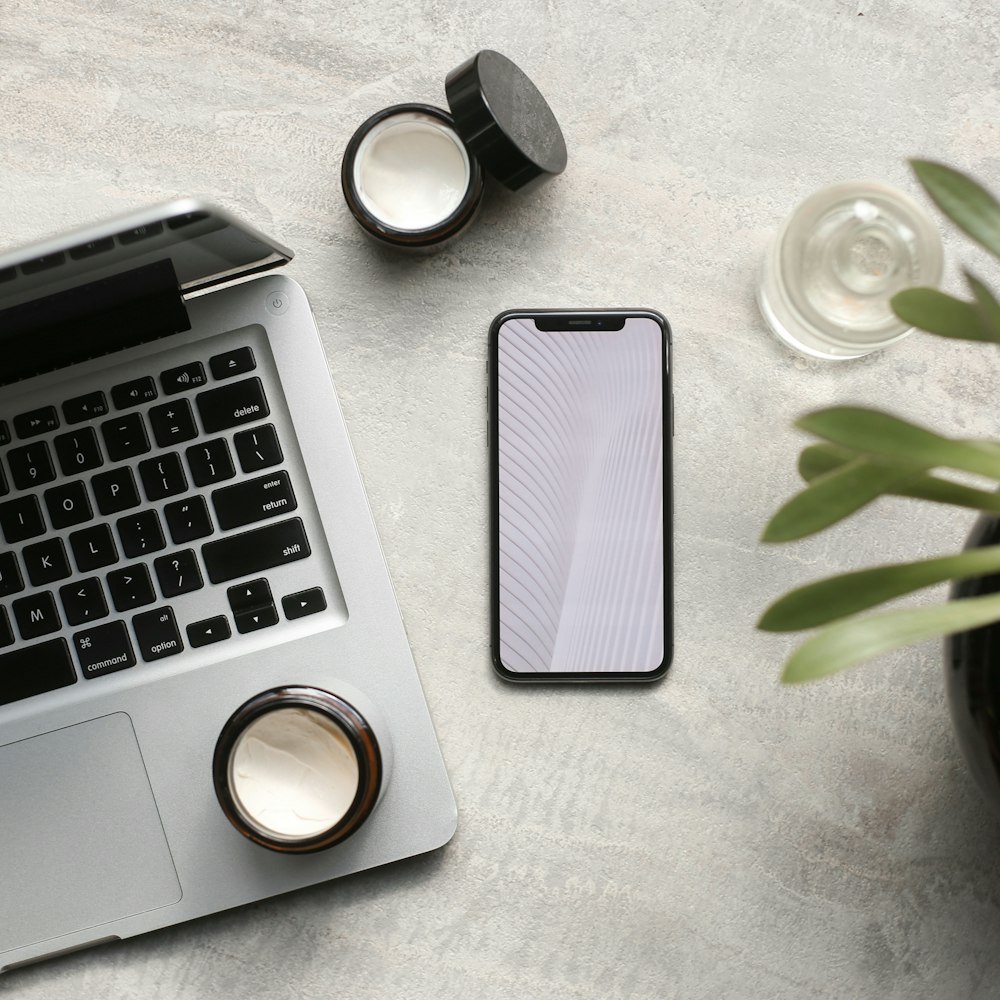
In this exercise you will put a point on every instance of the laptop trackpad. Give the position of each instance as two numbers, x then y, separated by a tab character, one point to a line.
81	842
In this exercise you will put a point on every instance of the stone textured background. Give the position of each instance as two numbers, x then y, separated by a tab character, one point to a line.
716	836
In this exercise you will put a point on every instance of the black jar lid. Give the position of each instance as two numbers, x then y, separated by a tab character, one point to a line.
504	121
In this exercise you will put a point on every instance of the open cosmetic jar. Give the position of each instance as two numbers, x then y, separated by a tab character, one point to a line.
297	769
413	175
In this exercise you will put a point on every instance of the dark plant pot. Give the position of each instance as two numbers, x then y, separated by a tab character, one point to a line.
972	674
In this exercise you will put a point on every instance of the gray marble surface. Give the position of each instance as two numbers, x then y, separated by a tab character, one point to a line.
717	836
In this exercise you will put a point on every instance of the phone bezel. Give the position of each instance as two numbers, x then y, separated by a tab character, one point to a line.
577	319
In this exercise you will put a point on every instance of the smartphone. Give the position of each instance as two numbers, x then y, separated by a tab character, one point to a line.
580	424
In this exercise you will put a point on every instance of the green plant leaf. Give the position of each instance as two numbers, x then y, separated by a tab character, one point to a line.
832	497
873	432
966	202
934	311
850	642
818	459
839	596
986	305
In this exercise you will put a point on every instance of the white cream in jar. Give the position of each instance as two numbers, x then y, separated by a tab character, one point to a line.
408	178
293	773
297	769
411	171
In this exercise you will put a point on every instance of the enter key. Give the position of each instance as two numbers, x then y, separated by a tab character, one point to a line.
254	500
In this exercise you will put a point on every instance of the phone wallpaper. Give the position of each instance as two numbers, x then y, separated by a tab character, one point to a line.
580	452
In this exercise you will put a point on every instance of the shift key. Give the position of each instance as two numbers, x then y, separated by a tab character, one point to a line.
252	552
232	405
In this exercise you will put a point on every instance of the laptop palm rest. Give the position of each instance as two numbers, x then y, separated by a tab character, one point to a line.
92	848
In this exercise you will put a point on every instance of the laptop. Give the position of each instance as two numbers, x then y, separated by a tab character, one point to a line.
182	527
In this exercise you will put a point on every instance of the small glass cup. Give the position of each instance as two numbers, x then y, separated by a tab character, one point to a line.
827	278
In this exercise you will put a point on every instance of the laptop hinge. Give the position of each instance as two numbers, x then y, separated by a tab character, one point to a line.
90	320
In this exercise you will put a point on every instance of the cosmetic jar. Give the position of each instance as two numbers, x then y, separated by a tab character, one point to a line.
297	769
413	175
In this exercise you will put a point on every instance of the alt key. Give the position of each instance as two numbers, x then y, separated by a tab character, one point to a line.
157	634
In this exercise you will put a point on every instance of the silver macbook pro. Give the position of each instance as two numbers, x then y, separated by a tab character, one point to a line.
182	527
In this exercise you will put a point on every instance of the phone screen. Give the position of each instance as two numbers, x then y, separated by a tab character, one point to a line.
581	494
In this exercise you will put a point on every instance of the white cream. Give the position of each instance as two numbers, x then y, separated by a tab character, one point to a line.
293	773
411	171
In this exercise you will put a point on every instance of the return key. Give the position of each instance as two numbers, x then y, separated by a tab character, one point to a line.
253	500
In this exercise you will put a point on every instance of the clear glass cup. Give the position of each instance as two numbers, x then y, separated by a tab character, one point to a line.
827	278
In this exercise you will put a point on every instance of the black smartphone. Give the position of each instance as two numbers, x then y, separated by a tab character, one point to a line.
580	425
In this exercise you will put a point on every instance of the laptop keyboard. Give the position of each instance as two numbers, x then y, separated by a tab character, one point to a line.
150	502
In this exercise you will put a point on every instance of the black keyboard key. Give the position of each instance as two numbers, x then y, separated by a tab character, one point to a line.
115	490
93	247
32	670
8	274
187	219
252	604
141	534
134	392
131	587
31	465
83	601
305	602
43	263
88	407
4	433
93	548
140	233
103	649
4	488
78	451
6	633
36	615
21	519
157	634
46	562
188	519
250	595
210	462
232	405
27	425
163	477
68	504
125	437
258	448
232	363
172	423
178	573
10	575
189	376
254	500
208	631
252	552
251	621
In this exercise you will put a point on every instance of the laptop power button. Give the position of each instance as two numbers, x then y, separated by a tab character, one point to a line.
276	303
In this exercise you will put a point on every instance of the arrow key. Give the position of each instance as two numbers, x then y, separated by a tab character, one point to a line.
305	602
250	621
250	595
208	631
